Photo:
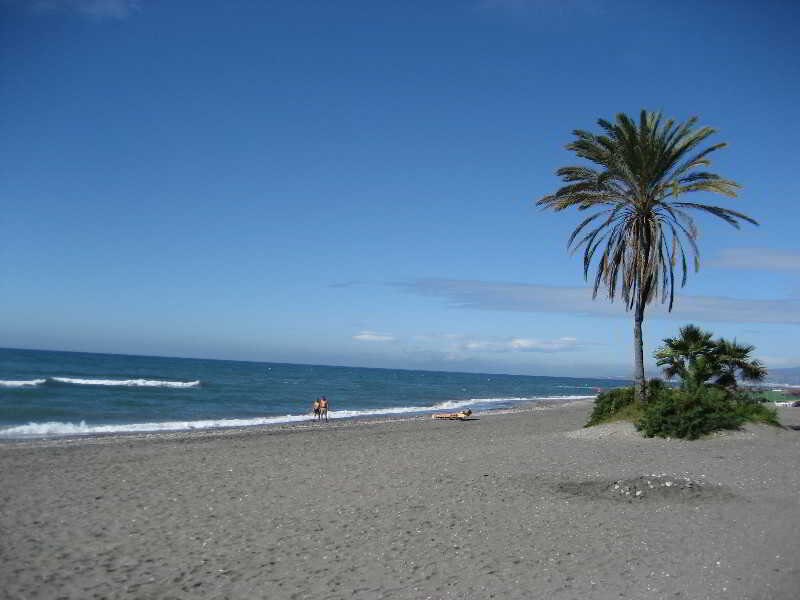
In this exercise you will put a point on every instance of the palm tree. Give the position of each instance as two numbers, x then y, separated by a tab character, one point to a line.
639	174
734	363
696	359
692	356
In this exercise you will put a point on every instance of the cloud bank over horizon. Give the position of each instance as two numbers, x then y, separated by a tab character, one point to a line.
524	297
468	344
770	259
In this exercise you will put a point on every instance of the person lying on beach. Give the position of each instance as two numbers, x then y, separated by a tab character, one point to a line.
459	415
323	408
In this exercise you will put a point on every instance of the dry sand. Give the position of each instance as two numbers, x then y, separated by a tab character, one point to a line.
519	505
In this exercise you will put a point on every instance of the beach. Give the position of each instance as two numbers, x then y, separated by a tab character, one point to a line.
515	505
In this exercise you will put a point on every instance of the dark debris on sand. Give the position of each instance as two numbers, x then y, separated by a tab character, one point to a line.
656	487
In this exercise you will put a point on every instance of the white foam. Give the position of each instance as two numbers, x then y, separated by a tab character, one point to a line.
455	404
23	383
447	405
54	428
128	382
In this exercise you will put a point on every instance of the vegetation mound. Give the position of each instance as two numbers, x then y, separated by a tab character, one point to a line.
708	399
681	414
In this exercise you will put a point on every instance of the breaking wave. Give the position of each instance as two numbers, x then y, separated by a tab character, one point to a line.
127	382
24	383
147	383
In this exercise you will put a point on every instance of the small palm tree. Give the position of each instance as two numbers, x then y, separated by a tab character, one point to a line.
735	363
692	356
696	359
639	174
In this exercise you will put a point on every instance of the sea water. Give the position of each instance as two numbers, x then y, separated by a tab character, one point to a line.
47	394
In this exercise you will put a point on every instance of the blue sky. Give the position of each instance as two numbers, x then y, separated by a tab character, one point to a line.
354	182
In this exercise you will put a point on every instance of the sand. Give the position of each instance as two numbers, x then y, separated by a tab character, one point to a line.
520	505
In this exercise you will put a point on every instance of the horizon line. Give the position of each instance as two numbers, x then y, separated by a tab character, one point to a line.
302	364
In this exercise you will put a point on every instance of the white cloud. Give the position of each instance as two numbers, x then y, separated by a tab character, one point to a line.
517	344
527	345
459	344
371	336
522	297
94	9
762	259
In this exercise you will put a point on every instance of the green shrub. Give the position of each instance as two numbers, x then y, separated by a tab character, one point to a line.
750	409
620	404
678	413
611	406
689	415
681	414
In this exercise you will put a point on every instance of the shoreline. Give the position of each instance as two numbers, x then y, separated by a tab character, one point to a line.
310	424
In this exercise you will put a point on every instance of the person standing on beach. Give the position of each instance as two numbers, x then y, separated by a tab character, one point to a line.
316	408
323	409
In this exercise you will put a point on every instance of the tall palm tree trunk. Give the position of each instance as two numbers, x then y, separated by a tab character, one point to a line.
638	351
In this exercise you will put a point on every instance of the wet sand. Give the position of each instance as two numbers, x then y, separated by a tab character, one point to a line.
520	505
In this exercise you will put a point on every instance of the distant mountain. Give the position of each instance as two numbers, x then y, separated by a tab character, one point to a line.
791	375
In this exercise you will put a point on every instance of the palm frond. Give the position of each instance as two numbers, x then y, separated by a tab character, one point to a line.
638	170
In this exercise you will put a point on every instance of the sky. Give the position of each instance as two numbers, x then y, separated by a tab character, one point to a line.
354	183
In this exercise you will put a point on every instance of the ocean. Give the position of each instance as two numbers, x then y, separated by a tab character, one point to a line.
52	394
